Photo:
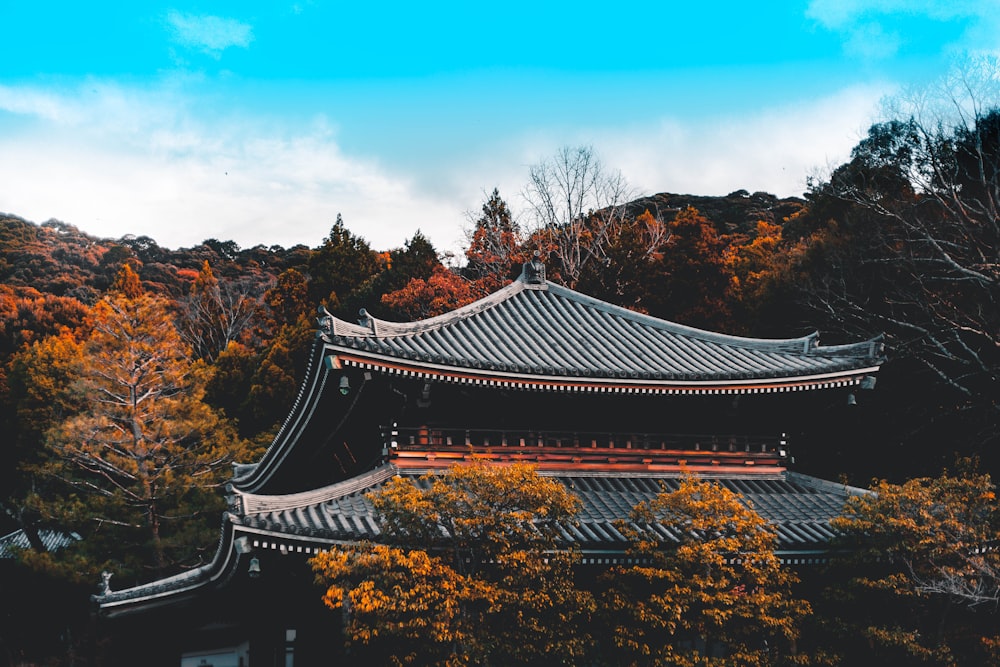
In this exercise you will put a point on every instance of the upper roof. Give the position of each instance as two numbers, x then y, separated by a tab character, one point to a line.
536	334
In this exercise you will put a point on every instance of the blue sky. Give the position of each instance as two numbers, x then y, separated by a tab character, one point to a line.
259	122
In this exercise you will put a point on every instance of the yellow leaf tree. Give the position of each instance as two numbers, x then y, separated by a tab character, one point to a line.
471	573
923	572
706	587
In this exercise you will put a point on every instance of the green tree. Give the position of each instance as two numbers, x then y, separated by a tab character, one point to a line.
339	266
417	261
707	587
470	572
912	223
141	464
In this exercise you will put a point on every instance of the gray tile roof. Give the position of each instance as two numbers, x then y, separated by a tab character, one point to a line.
52	540
546	330
800	506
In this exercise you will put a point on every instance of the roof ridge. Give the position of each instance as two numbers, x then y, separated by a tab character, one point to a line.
258	503
379	328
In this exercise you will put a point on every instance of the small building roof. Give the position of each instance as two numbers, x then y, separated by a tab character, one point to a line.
52	540
534	334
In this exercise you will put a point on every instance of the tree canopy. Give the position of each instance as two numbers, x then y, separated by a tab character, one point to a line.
469	573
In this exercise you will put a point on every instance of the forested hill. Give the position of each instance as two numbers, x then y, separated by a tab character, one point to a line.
900	240
58	258
739	211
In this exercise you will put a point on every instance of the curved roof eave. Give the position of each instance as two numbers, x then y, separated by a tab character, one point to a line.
177	587
545	382
544	331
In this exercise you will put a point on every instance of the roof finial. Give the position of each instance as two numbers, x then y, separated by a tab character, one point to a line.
533	271
105	585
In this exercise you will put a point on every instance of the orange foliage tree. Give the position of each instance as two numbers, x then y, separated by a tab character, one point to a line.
712	593
923	573
137	469
421	298
694	275
470	573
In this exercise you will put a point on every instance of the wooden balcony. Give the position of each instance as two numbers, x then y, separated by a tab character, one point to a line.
429	447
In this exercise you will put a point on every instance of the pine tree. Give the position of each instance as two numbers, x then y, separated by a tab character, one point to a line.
140	465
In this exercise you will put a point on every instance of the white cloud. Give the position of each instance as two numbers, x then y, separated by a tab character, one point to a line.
870	41
860	23
773	150
133	162
209	34
117	161
841	13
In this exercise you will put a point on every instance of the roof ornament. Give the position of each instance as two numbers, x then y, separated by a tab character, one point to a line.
105	582
364	319
325	320
533	271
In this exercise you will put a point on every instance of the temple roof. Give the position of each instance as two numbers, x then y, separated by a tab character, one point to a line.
799	506
533	333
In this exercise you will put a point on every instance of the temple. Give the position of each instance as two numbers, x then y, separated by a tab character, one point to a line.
612	403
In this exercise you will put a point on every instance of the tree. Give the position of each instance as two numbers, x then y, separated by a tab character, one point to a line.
695	278
288	299
495	253
141	464
439	293
216	314
416	261
127	282
470	572
575	202
629	271
339	266
924	571
40	396
712	592
916	211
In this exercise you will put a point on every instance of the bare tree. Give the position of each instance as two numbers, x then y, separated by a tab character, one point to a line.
575	202
920	199
216	313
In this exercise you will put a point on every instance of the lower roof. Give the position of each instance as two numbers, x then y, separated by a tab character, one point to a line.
799	506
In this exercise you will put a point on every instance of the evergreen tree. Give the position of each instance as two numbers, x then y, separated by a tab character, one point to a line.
138	468
339	266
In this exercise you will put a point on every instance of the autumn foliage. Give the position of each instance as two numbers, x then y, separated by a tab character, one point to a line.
470	573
